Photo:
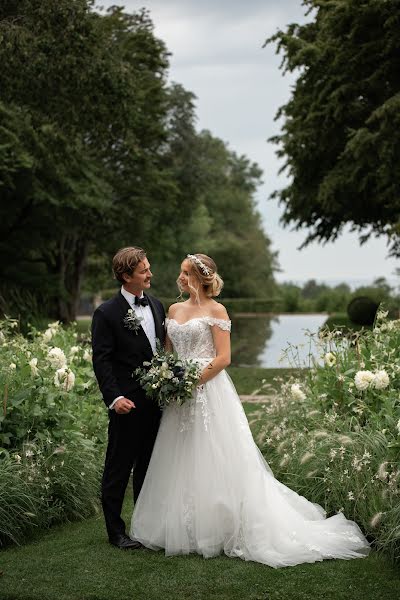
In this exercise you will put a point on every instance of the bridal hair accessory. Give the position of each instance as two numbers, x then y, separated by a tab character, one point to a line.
199	263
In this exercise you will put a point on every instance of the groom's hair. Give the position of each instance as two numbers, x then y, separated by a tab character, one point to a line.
126	260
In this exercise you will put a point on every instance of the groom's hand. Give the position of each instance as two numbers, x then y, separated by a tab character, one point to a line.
123	406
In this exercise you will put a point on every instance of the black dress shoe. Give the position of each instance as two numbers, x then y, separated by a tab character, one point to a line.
123	542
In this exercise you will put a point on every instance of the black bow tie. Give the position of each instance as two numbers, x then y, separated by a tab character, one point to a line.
143	301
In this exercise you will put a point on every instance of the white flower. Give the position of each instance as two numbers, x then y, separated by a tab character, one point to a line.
381	380
74	350
363	379
57	358
330	359
33	365
54	325
64	378
350	496
87	355
12	367
48	334
297	393
29	453
17	458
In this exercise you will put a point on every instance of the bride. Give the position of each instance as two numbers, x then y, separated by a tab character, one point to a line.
208	488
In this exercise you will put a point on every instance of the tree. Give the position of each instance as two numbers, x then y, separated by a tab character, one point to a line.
214	211
236	239
339	137
93	89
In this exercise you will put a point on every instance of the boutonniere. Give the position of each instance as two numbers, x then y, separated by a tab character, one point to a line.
132	321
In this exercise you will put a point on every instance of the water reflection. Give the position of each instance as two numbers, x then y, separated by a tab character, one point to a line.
260	341
249	338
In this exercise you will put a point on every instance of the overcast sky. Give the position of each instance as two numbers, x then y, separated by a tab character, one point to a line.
217	53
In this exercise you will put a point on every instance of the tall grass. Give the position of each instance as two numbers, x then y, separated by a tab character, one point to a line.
42	485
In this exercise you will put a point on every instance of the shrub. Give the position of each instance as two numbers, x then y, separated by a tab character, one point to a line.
48	387
362	310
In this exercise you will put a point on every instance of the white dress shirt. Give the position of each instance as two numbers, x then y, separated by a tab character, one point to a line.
147	322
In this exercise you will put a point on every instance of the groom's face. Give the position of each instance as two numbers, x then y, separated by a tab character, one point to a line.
140	279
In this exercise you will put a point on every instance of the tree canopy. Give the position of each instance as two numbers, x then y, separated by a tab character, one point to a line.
339	137
97	152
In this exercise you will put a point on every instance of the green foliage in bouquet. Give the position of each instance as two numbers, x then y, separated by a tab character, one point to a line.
334	437
167	379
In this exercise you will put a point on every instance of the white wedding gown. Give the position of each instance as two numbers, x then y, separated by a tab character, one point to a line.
209	490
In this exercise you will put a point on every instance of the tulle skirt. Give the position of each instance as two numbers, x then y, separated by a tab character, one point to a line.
209	490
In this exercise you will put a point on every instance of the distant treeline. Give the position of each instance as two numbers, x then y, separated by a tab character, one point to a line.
319	297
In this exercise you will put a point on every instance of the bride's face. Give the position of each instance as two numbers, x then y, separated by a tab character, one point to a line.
186	277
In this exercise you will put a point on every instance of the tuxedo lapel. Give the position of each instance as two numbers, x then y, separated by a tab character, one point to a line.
123	304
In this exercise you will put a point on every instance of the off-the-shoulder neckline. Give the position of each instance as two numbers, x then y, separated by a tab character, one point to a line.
199	319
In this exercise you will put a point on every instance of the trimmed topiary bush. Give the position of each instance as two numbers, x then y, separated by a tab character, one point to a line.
362	310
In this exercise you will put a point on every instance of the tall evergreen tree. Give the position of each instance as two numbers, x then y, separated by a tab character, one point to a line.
339	137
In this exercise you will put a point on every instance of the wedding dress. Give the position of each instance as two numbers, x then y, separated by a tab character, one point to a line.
209	490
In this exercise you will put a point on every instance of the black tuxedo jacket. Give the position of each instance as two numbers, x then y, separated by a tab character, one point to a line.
118	351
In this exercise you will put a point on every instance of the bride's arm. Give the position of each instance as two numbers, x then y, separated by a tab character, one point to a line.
222	342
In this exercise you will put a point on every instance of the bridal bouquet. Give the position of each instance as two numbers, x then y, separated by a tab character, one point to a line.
167	379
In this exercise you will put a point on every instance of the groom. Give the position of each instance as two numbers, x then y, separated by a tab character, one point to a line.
124	333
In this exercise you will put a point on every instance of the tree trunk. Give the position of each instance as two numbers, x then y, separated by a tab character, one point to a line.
71	264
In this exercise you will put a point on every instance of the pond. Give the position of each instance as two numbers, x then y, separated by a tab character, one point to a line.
259	341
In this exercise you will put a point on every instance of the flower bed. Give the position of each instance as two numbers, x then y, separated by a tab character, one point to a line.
335	437
53	427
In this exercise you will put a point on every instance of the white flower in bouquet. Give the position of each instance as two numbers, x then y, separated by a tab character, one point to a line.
74	350
167	379
297	392
12	366
381	380
64	378
363	379
57	358
330	359
33	365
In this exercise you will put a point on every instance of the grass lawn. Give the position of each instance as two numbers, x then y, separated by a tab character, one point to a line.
248	379
74	562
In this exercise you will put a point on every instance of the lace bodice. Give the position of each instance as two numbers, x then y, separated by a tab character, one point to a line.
194	339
